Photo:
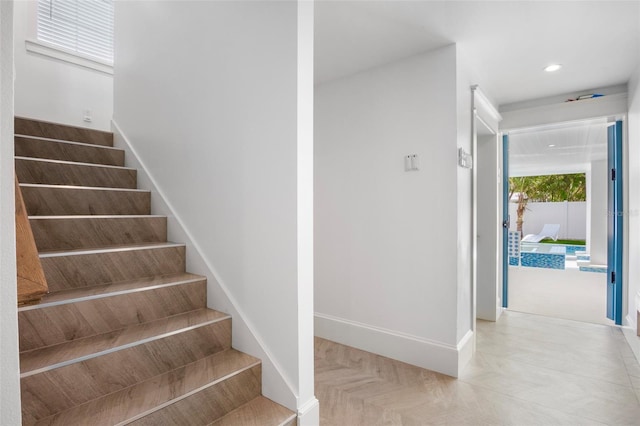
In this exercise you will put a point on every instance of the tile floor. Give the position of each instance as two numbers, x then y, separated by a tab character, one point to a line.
569	293
528	370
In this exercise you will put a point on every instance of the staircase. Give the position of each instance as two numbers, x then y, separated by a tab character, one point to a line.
124	336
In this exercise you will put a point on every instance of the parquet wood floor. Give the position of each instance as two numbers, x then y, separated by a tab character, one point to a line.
528	370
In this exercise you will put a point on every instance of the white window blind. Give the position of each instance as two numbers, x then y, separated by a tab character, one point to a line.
82	26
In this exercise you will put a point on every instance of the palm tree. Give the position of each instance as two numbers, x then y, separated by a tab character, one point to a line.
548	188
521	187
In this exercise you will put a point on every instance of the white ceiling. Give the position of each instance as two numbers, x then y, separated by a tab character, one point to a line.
575	145
506	43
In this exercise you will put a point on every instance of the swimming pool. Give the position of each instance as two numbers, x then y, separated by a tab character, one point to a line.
550	256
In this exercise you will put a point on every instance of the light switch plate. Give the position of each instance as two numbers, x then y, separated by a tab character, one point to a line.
464	159
411	163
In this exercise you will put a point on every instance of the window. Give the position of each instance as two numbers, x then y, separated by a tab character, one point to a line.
84	27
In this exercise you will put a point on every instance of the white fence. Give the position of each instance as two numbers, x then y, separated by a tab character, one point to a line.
572	217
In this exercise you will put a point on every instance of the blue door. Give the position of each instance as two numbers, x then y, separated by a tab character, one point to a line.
505	220
614	224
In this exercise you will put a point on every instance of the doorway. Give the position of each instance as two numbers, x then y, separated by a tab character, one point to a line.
566	275
488	234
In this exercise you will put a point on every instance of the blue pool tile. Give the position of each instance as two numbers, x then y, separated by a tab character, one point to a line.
573	249
543	260
601	269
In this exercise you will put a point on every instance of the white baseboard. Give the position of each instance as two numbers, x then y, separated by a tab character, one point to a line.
437	356
309	413
629	322
466	349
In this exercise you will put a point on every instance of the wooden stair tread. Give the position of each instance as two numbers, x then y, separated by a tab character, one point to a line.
82	267
60	387
44	138
80	187
32	362
106	290
44	199
152	394
54	149
33	127
73	163
74	314
258	412
111	249
69	232
60	172
95	216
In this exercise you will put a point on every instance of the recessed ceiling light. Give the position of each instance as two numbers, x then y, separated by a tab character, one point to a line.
553	67
551	145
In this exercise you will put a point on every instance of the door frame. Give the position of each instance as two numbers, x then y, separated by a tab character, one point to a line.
615	221
506	220
620	257
483	112
549	111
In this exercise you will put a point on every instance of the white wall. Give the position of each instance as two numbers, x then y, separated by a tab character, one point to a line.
209	95
9	364
53	90
598	226
464	202
576	220
633	200
308	405
571	216
386	240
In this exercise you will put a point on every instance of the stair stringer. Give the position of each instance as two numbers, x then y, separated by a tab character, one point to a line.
275	383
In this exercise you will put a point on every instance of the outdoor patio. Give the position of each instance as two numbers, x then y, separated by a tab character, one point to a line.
568	293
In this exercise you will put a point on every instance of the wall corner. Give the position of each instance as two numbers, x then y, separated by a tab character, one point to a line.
9	352
466	350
